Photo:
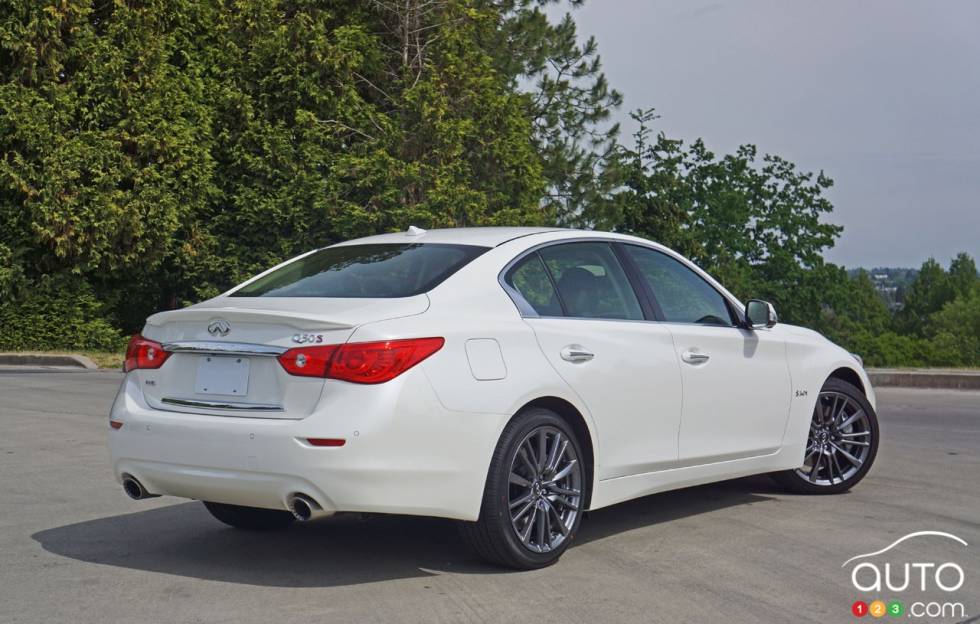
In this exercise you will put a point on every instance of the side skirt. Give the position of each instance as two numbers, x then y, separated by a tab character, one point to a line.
612	491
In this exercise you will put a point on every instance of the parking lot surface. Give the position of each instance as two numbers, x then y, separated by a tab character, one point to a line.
75	549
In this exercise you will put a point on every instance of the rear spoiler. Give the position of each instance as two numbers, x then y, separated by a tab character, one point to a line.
296	320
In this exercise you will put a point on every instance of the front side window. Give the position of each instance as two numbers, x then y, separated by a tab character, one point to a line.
364	271
591	283
683	295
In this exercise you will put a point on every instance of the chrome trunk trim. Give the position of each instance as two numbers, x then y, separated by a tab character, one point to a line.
226	348
223	405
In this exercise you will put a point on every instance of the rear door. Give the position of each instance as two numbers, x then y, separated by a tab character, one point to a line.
736	381
592	327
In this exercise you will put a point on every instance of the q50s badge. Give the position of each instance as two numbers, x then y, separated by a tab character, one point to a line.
307	338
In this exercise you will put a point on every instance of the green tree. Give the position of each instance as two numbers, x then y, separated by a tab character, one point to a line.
859	303
104	140
656	200
854	315
756	224
569	105
955	331
962	274
462	137
58	312
159	152
927	294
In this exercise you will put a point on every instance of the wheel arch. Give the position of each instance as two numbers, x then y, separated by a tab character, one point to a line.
571	414
850	376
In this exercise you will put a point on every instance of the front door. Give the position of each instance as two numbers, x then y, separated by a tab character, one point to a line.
736	381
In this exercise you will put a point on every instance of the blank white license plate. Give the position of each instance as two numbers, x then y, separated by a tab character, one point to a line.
222	375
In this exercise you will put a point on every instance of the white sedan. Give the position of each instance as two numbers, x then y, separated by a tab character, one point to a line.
510	378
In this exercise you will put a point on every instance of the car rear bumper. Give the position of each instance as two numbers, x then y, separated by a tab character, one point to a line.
403	453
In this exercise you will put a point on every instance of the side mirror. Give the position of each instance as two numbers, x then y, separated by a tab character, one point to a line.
759	314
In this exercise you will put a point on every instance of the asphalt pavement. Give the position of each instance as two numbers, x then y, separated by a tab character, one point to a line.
74	549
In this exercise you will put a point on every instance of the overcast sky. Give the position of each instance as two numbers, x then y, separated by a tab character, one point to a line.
884	96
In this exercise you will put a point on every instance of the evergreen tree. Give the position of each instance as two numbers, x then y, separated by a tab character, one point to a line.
163	151
962	274
569	106
656	200
927	294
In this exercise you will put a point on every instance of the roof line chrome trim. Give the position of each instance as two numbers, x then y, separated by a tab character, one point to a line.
228	348
223	405
525	235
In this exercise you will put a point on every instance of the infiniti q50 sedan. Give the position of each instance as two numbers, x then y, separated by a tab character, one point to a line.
509	378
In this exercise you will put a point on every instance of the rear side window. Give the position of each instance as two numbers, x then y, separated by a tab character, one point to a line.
364	271
591	283
530	278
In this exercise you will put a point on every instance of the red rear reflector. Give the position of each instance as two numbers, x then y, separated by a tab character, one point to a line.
144	353
115	424
360	362
326	441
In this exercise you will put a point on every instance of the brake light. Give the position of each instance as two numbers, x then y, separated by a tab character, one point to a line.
144	353
378	362
360	362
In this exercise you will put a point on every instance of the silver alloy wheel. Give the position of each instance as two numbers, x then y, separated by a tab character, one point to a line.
839	440
545	492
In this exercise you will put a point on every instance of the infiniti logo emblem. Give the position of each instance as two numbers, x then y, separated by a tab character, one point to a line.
219	327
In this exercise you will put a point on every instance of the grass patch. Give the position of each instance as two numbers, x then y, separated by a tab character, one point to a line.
105	359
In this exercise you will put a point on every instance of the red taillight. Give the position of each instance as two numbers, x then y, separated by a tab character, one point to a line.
360	362
115	424
143	353
378	362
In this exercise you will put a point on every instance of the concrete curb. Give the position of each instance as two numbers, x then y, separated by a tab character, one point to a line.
46	359
925	378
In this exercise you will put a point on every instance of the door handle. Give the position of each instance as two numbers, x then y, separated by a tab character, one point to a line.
694	357
576	353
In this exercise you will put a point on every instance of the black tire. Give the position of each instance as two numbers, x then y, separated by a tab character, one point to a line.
250	518
494	536
794	481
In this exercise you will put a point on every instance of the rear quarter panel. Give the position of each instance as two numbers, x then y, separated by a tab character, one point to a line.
472	305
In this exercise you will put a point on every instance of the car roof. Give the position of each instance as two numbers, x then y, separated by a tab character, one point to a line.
480	236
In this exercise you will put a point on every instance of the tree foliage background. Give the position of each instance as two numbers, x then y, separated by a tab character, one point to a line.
156	152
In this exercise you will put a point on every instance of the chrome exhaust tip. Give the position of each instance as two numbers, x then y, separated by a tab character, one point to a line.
304	508
301	509
135	490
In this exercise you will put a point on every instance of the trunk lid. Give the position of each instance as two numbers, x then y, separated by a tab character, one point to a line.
223	352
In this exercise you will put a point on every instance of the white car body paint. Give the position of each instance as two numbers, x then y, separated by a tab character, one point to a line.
422	442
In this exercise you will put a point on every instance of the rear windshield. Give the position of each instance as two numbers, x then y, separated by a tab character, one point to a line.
369	271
